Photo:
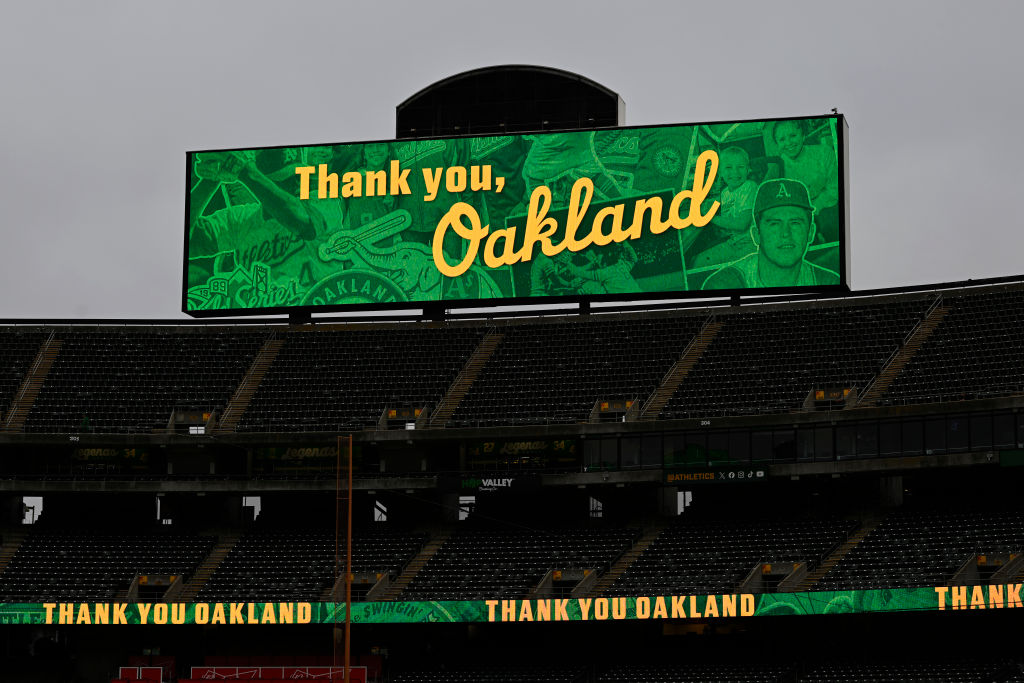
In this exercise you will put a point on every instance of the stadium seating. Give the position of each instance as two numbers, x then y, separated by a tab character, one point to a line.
695	673
925	548
344	379
912	672
715	556
298	564
554	371
764	360
67	566
907	549
131	380
493	674
18	349
909	672
767	361
975	352
479	564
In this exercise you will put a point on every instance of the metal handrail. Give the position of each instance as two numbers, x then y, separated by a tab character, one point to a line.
906	340
28	378
693	342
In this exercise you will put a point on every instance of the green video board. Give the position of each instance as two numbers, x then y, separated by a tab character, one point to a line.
608	214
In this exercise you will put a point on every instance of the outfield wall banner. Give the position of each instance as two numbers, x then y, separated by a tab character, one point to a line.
607	214
738	605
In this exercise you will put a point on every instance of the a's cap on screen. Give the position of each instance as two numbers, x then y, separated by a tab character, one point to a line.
781	192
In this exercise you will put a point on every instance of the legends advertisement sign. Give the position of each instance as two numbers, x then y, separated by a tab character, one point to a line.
608	214
652	607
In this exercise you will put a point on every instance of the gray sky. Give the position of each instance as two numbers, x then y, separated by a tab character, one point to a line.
100	101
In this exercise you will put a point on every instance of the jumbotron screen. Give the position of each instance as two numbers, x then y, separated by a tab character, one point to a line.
607	214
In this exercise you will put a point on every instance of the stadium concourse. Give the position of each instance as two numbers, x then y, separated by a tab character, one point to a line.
700	476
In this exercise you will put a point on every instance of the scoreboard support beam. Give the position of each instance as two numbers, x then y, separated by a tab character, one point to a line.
435	312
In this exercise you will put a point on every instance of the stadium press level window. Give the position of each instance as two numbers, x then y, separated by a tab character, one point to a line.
683	501
166	521
32	507
254	503
466	506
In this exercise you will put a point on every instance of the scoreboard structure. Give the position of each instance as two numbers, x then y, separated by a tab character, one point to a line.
599	214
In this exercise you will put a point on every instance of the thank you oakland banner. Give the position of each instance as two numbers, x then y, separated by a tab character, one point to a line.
653	607
611	214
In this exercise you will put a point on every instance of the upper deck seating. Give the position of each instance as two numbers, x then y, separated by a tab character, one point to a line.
767	361
131	380
553	372
977	351
18	349
344	379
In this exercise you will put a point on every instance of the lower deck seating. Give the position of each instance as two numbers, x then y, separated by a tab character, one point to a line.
696	673
906	673
74	567
866	672
496	674
477	565
715	556
299	564
925	548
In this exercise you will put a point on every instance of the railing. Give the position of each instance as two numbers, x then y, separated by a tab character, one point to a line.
862	395
27	381
463	373
248	379
931	309
708	321
906	340
634	410
957	579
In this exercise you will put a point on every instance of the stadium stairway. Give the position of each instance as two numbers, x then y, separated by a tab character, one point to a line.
681	368
417	563
470	371
627	558
899	359
869	524
334	592
207	568
1018	576
14	421
250	383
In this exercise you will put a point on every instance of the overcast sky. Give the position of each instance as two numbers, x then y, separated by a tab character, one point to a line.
100	101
